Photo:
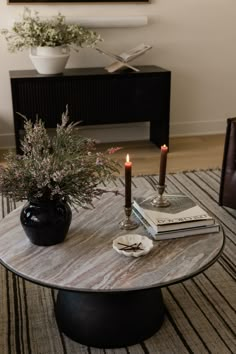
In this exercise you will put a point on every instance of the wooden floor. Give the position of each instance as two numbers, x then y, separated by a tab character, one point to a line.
186	153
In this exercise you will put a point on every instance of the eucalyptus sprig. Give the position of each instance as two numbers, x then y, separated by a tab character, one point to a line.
66	166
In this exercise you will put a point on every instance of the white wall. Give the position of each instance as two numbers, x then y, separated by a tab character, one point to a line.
195	39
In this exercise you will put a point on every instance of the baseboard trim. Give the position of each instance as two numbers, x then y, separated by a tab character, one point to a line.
111	133
197	128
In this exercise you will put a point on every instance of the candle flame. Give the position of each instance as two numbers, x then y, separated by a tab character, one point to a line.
164	147
127	158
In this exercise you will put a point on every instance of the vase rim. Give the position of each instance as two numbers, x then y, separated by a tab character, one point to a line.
48	51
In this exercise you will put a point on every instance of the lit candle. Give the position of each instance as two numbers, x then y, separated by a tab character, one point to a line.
128	174
162	173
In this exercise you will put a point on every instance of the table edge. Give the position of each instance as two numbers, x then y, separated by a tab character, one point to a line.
119	290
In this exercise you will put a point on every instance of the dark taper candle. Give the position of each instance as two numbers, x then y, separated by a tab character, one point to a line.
128	176
162	172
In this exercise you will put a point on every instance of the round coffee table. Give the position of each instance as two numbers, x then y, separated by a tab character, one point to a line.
105	299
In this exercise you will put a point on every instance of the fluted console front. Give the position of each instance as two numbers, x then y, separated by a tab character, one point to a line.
95	96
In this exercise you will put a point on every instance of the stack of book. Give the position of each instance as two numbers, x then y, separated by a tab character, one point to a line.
183	217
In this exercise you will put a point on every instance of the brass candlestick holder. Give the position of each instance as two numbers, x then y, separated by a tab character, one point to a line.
128	224
160	201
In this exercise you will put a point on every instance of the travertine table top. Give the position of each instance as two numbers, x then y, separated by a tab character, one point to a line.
86	261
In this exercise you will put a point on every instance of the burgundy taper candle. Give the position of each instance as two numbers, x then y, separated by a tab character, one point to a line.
163	160
128	175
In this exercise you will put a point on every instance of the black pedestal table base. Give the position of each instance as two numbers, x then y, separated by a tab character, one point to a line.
110	319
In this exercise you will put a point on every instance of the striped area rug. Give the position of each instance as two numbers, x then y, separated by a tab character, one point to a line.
200	313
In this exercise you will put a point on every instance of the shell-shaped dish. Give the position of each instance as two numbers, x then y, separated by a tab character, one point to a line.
132	245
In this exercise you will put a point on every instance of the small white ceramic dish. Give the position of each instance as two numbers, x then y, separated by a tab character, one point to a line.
132	245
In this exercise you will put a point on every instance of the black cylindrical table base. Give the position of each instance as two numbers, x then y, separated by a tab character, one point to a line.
110	319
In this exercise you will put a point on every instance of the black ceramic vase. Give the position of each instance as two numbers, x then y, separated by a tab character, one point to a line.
46	223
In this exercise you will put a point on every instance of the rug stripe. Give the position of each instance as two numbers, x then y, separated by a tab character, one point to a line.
21	333
215	308
210	322
188	319
53	295
3	207
228	264
227	267
178	332
134	349
8	311
214	176
17	316
143	346
199	321
219	291
222	263
222	280
229	261
26	318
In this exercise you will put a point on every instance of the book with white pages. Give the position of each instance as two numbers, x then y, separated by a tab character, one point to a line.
182	213
165	235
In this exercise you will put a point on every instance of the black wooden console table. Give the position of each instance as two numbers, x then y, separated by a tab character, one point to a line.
94	96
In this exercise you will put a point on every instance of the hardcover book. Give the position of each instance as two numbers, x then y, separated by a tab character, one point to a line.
182	213
165	235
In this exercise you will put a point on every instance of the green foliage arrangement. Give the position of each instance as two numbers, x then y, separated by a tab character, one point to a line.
65	166
32	31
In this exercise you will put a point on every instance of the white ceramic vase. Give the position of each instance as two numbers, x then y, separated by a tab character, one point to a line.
49	60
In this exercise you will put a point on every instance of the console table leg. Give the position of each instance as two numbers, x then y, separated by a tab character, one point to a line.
159	132
110	319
